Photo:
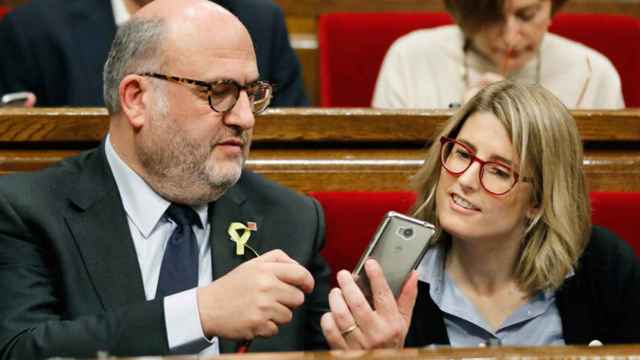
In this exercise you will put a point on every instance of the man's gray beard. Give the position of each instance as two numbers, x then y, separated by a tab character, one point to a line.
179	172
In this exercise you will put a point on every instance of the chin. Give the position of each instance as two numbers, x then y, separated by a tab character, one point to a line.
223	175
459	227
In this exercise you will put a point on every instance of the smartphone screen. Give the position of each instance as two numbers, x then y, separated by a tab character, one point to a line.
398	245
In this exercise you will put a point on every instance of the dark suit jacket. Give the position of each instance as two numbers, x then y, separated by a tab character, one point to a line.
71	282
57	49
600	302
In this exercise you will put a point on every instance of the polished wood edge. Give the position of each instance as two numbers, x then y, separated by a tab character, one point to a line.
300	125
446	352
314	8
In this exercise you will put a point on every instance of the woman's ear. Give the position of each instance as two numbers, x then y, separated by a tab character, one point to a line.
132	101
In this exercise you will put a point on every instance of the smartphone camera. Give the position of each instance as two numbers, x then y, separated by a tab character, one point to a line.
406	233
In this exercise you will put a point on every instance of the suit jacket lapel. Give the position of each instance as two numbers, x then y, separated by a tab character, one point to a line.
98	225
232	207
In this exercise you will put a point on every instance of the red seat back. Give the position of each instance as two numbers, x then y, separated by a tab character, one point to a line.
352	218
615	36
4	10
352	47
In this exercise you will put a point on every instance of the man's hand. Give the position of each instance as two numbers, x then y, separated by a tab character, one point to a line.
354	324
255	298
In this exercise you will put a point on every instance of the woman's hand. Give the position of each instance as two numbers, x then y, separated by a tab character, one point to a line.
354	324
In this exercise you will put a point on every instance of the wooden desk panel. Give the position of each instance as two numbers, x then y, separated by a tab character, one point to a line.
325	149
313	8
608	352
626	352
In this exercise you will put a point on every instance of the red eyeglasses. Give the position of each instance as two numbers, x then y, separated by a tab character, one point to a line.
495	177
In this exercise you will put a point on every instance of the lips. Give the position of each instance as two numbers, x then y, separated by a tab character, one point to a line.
463	203
232	142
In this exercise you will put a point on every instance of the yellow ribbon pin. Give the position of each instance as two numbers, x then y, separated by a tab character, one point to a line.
240	240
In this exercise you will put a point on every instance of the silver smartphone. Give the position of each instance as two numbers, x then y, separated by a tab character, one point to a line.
398	245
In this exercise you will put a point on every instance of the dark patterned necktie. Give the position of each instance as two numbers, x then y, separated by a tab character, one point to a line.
179	269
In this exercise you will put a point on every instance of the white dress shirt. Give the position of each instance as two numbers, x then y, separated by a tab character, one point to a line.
536	323
150	230
120	12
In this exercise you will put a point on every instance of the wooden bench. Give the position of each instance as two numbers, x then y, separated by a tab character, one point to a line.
325	149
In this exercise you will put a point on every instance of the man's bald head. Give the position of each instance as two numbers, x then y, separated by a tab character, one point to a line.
175	9
164	28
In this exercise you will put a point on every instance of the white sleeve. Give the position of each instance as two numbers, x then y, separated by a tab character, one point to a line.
607	85
182	319
391	86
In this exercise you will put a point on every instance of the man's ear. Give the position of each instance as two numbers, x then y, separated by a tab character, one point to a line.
132	101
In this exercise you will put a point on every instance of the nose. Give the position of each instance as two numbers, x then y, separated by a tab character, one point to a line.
241	115
511	31
470	179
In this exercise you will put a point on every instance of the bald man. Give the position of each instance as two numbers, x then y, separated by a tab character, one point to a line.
158	242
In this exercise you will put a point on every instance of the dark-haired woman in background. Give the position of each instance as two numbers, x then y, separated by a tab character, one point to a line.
493	40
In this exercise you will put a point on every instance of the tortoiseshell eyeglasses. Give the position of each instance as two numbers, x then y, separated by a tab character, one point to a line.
223	94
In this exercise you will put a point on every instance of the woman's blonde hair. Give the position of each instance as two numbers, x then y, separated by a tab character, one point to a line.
548	145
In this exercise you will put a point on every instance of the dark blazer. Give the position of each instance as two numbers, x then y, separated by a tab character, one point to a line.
71	284
57	49
600	302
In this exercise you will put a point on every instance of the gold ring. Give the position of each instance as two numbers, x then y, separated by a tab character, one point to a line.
349	329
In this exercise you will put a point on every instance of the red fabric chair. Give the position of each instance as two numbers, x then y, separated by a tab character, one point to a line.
3	11
352	218
615	36
352	47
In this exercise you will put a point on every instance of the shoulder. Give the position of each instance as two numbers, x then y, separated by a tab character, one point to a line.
44	186
608	262
606	248
432	40
426	49
563	49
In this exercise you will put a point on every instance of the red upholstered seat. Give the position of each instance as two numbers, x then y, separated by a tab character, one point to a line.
352	47
616	36
3	11
352	218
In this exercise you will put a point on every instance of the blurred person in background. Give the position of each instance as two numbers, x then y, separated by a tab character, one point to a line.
56	48
490	41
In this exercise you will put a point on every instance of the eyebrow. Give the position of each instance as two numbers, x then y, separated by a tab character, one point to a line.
210	81
530	7
493	157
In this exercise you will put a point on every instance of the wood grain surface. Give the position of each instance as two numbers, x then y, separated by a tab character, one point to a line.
325	149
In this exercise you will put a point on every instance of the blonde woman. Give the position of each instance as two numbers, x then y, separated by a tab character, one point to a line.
517	261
